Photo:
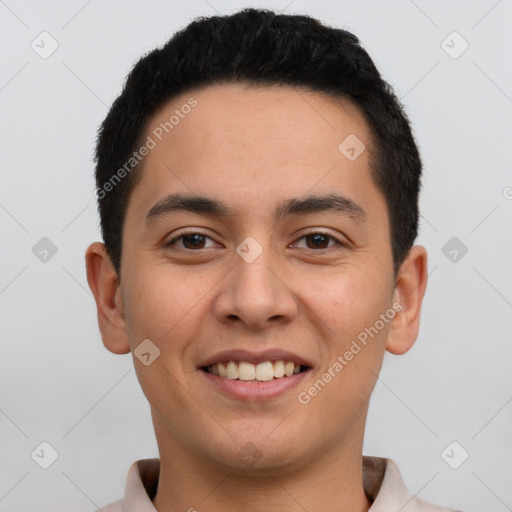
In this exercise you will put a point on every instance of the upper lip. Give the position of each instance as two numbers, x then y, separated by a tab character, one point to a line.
254	357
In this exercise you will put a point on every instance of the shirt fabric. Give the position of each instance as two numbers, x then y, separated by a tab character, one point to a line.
382	484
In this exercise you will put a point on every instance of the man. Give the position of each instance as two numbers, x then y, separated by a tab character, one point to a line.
258	188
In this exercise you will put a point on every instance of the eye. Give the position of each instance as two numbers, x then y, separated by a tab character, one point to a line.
319	240
191	240
197	240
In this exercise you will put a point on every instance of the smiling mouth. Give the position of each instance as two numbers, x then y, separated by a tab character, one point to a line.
261	372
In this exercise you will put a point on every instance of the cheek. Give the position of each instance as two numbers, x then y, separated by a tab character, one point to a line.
348	308
164	307
348	301
161	302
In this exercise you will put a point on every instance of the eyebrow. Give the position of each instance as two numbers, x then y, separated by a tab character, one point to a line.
213	207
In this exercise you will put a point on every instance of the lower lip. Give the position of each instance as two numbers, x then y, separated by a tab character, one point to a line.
253	391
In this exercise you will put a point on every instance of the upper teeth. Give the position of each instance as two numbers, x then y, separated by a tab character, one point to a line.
266	370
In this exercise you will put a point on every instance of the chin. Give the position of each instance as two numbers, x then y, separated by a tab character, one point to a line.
260	455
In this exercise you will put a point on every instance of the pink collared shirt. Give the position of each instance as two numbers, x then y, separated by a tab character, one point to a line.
382	483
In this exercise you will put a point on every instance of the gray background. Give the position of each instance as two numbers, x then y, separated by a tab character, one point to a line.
57	382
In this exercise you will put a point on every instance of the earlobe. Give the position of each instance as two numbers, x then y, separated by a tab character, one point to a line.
411	283
104	284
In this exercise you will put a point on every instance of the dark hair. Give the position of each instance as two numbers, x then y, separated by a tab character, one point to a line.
259	47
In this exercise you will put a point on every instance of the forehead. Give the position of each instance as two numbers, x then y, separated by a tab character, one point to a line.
230	114
255	144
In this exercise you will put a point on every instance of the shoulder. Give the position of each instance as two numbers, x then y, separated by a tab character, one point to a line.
116	506
418	504
383	483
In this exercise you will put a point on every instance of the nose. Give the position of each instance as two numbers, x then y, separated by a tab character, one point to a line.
256	294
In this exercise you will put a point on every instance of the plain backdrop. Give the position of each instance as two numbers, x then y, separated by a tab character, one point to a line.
59	385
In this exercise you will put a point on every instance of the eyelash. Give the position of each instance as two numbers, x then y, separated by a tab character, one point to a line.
174	240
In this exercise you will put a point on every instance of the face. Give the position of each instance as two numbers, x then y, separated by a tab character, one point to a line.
287	257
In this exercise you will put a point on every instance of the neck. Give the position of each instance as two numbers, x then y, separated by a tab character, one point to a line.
330	482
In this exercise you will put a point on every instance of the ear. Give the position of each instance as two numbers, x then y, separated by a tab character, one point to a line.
410	286
104	284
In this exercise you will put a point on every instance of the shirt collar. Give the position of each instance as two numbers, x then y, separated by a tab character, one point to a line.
382	483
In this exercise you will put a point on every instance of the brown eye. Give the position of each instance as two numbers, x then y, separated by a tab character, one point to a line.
320	241
194	241
190	241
